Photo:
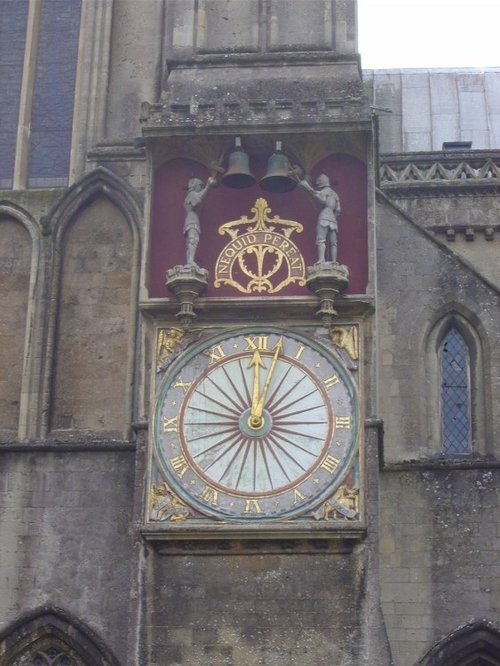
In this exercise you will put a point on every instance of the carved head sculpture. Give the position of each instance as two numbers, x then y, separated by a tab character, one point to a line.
194	184
322	181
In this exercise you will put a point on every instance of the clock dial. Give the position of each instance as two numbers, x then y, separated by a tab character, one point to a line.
256	425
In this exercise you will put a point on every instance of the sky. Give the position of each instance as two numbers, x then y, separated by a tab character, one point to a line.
429	33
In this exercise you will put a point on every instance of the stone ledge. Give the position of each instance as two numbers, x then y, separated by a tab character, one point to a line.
444	464
61	445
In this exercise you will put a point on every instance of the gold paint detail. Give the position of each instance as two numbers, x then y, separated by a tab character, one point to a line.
330	464
260	257
299	353
180	465
166	505
343	504
256	419
343	422
215	354
168	340
297	496
181	384
347	339
170	425
253	506
210	495
256	342
331	381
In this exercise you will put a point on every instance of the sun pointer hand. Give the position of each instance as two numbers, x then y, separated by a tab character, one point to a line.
256	362
256	419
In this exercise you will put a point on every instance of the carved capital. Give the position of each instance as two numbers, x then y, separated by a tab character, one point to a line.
187	283
327	280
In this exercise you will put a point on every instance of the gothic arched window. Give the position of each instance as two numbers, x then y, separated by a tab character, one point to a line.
50	637
476	644
53	653
455	394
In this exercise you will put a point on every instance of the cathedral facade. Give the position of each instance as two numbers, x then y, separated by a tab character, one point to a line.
250	388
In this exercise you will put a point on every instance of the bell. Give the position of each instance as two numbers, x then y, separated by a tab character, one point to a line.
238	174
278	177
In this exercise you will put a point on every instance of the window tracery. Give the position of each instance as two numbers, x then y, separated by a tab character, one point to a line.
52	657
455	394
50	651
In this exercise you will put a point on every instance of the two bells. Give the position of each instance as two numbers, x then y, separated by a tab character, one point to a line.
280	176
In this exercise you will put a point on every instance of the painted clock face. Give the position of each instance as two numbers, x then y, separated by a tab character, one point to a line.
255	425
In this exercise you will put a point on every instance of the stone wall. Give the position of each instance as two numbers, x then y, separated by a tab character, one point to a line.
438	515
65	520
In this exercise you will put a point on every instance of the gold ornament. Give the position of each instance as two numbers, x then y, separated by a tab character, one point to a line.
166	505
168	339
346	339
260	257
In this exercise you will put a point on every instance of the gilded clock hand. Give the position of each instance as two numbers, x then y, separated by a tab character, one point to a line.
256	363
256	421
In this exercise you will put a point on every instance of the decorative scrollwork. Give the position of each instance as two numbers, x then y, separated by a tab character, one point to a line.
261	257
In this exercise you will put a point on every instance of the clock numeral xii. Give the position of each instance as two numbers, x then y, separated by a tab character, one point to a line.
256	342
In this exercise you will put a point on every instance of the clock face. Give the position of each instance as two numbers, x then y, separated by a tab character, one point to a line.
256	424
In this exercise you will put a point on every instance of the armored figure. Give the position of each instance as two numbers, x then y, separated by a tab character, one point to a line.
196	192
327	225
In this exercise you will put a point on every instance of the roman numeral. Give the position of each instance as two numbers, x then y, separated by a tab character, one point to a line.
170	425
210	495
331	381
343	422
256	342
215	354
180	465
297	496
299	353
183	385
330	464
252	506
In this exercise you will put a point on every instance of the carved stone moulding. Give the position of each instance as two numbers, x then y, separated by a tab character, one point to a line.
327	280
187	283
225	95
278	544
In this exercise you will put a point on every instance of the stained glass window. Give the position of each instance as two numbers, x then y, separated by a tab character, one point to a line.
455	395
54	89
52	657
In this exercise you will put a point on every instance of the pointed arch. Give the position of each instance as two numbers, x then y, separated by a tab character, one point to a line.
476	644
52	634
453	428
100	185
25	373
101	181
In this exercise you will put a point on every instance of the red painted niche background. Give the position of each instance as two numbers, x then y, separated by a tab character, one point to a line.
223	204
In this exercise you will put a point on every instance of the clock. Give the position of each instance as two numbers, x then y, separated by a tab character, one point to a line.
256	424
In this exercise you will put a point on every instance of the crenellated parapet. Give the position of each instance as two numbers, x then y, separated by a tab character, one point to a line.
440	173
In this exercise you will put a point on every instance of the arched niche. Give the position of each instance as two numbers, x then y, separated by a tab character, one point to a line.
18	266
93	320
167	246
52	637
92	317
